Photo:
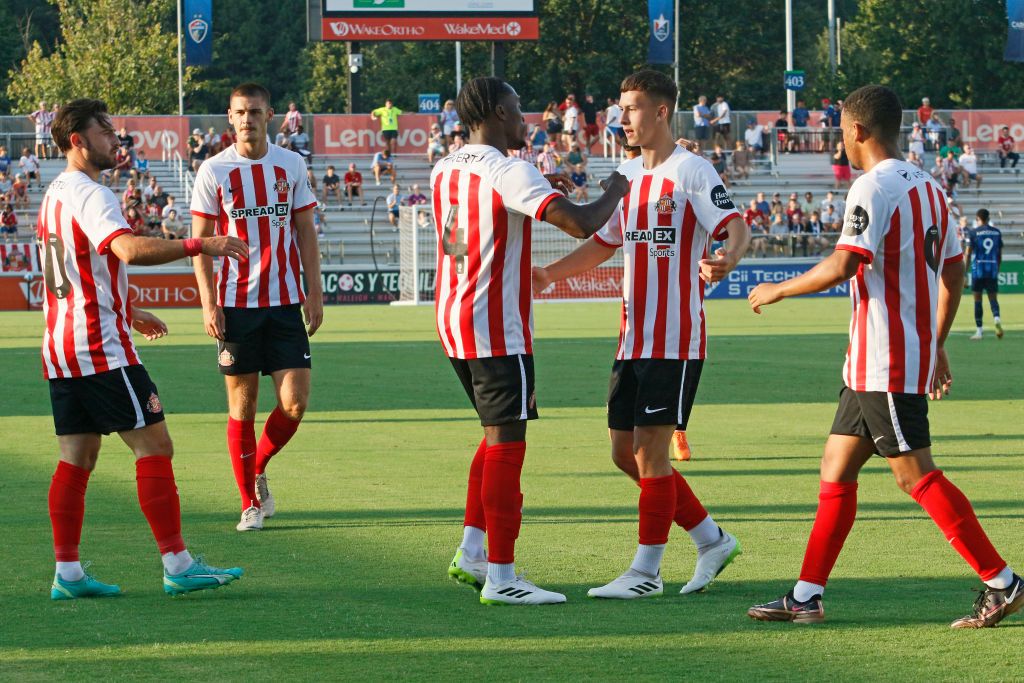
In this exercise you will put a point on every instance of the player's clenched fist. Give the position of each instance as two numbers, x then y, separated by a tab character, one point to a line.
715	269
232	247
560	182
541	280
617	183
764	294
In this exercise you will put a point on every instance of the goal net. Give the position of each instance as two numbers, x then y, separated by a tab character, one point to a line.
417	249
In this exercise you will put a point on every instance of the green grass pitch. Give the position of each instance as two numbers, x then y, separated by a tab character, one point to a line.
348	580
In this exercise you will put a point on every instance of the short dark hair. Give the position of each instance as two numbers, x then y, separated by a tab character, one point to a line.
982	215
250	90
877	108
479	98
653	83
75	117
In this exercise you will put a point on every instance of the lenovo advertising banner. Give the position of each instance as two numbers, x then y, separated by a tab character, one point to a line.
660	46
358	134
151	132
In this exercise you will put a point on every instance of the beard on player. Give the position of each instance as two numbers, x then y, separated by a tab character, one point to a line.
102	159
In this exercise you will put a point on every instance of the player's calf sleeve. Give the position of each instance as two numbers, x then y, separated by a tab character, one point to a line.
994	304
475	516
978	312
67	509
242	449
689	512
277	432
158	498
502	499
657	508
952	512
837	509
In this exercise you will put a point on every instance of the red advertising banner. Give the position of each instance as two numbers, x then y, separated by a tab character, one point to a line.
431	28
149	133
603	282
148	290
359	134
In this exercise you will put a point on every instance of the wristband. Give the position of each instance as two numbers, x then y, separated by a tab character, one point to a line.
193	246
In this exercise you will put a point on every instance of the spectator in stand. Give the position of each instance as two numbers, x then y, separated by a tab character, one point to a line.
936	170
613	121
753	136
701	120
122	167
752	212
354	185
831	219
758	235
394	201
43	118
528	154
537	137
950	146
54	150
168	207
148	190
800	118
388	115
127	142
281	140
762	205
159	198
331	183
292	120
776	204
129	193
9	222
935	131
383	162
721	120
227	138
570	122
415	197
719	162
5	160
590	133
915	159
19	190
435	143
6	185
741	161
552	120
838	205
916	140
171	227
212	140
816	229
1005	150
197	150
319	220
140	169
579	181
136	222
576	157
152	216
830	117
778	230
969	168
458	137
29	165
549	161
954	133
808	206
796	222
782	133
448	118
950	171
925	111
841	166
299	142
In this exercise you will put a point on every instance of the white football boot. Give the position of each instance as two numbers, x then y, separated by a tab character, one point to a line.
518	591
712	561
252	519
470	572
264	496
629	586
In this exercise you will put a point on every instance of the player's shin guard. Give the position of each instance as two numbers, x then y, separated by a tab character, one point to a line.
978	313
952	512
277	432
837	508
67	509
689	512
994	305
657	508
242	448
502	499
158	498
475	516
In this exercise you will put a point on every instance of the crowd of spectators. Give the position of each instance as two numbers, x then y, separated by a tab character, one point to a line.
795	228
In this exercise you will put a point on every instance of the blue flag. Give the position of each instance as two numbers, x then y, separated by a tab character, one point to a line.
1015	32
198	18
661	46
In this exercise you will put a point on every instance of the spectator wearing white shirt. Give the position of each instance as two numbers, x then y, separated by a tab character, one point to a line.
722	121
701	119
43	118
838	203
394	200
613	121
168	207
149	190
969	167
916	140
29	164
292	120
831	219
570	122
753	136
299	142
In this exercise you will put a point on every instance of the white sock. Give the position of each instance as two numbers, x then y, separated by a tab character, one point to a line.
500	573
804	591
70	571
176	563
473	542
648	559
706	534
1002	580
980	330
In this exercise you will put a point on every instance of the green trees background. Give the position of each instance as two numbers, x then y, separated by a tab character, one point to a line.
124	51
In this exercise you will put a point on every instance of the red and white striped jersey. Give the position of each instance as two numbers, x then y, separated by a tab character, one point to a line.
663	226
897	219
254	200
484	204
88	323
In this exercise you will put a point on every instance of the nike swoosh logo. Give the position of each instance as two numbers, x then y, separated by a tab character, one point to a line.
879	439
243	456
651	412
306	356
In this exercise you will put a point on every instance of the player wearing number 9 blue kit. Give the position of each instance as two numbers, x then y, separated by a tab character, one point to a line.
985	253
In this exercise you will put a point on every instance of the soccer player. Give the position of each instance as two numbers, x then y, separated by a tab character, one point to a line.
259	193
675	205
484	204
985	254
97	382
900	249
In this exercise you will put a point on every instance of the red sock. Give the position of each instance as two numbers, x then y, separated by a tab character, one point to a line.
277	432
657	506
474	502
689	511
242	448
158	498
502	499
67	509
837	508
952	512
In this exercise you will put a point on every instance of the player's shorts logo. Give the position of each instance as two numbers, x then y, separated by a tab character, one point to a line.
153	404
666	205
720	198
282	186
856	222
225	359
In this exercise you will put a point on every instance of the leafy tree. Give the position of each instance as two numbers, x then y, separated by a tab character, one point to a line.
324	73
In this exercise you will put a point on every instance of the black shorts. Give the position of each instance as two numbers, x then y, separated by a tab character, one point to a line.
390	134
263	340
985	284
652	391
896	423
501	388
114	401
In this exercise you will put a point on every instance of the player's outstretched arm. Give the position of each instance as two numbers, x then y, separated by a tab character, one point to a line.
582	221
309	255
725	260
152	251
588	255
213	315
839	267
951	287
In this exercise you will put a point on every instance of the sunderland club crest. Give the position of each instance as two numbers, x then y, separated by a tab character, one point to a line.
666	205
197	29
153	404
282	186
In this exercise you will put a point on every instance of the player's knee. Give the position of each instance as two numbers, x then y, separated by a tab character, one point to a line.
906	482
294	409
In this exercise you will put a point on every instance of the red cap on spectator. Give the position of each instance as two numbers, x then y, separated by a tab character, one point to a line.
825	100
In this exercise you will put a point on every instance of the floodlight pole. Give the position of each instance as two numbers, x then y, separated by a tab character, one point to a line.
790	94
181	89
675	28
832	35
458	66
